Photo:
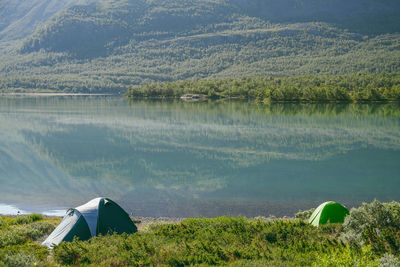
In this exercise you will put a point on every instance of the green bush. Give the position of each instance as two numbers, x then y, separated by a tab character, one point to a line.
214	241
376	224
347	257
13	254
69	252
369	237
28	219
21	235
20	260
388	260
304	215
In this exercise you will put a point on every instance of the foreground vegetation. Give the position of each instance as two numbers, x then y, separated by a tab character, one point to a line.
18	236
342	88
370	236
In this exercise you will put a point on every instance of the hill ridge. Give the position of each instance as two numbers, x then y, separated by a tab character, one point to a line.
107	46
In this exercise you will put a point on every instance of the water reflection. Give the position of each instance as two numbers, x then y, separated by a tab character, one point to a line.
171	158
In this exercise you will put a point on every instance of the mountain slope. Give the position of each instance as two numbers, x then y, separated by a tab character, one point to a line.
367	16
100	27
112	44
20	18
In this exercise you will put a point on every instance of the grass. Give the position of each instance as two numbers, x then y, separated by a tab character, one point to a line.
369	237
20	237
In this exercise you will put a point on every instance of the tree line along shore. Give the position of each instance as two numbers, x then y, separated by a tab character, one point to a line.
370	236
357	87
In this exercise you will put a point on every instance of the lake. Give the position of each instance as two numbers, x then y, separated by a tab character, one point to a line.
184	159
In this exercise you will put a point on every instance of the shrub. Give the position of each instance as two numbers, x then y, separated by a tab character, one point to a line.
21	235
20	260
388	260
304	215
28	219
347	257
376	224
215	241
371	233
69	253
3	223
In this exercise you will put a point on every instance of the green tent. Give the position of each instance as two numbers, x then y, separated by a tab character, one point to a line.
98	216
328	212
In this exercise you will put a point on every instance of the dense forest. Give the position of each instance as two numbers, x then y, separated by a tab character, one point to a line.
323	88
110	45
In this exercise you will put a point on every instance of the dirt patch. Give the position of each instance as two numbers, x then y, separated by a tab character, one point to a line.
143	222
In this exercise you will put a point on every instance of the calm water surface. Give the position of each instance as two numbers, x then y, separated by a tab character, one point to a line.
177	159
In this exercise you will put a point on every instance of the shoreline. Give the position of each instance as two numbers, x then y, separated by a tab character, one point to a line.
143	222
58	94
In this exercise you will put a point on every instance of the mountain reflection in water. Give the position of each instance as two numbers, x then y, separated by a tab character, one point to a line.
177	159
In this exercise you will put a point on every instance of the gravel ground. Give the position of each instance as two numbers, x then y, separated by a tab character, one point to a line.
143	222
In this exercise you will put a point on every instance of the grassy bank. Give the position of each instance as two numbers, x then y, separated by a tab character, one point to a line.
370	236
322	88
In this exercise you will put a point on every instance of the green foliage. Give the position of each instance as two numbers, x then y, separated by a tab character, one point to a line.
28	219
348	257
110	24
20	260
117	44
376	224
18	238
220	241
388	260
342	88
214	241
21	235
4	221
70	253
304	215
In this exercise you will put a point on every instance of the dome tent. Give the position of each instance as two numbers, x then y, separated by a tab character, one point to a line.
328	212
98	216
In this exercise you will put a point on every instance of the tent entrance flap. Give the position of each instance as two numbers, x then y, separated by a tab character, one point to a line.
73	224
113	219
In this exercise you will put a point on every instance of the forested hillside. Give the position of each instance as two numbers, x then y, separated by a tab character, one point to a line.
342	88
109	45
19	18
